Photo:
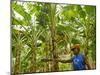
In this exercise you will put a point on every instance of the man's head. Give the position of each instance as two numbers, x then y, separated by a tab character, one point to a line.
75	49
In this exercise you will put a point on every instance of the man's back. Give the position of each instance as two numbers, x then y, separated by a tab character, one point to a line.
79	62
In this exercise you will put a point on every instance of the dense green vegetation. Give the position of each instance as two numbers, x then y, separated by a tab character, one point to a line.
45	30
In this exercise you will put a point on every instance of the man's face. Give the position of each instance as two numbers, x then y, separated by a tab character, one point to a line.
75	51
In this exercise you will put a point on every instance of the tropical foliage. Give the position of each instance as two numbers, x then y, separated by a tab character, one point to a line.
46	30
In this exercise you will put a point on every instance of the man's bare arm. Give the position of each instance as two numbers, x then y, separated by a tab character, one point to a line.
57	60
46	60
64	61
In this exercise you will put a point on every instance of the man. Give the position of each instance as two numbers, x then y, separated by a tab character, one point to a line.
79	60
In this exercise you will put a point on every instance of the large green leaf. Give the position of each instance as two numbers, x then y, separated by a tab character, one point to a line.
69	13
67	28
16	21
90	10
21	10
80	11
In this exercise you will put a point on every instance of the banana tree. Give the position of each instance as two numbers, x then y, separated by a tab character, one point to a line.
30	28
17	48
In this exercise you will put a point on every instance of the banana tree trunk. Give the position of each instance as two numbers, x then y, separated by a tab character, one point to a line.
33	58
46	68
53	36
86	39
50	49
86	48
17	62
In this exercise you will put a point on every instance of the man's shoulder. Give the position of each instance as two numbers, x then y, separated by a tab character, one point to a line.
81	54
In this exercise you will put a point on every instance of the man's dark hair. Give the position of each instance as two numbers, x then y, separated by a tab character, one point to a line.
76	46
